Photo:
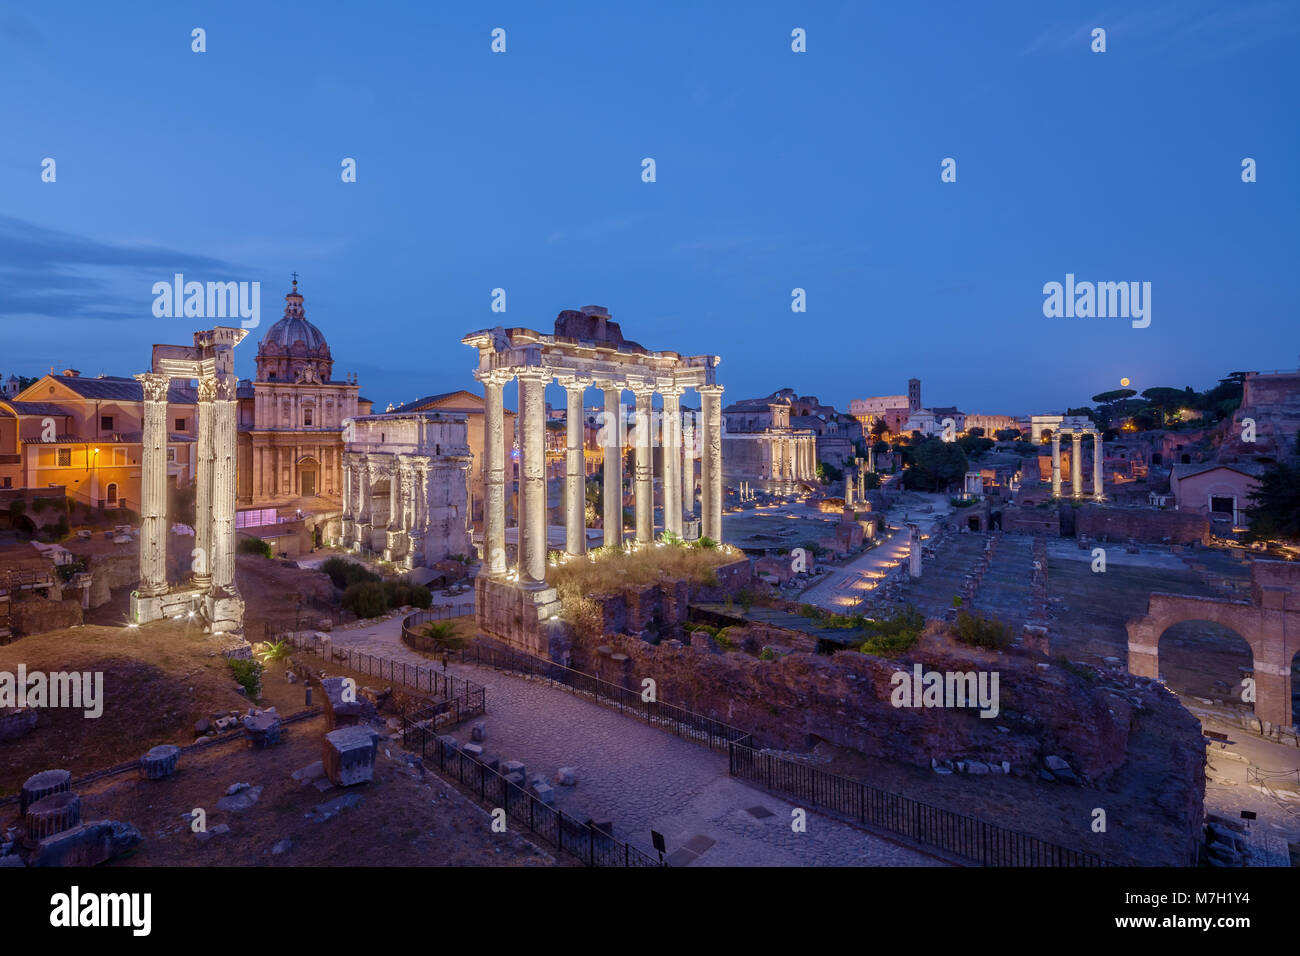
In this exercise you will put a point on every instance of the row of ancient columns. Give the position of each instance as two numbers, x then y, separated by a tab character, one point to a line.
214	505
408	503
1076	465
678	465
794	459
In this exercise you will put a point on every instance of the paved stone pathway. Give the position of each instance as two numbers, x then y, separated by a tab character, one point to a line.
641	778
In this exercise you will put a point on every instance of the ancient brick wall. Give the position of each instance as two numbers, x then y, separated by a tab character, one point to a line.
1031	521
1140	524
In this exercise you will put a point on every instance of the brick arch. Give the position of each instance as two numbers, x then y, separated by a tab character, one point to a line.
1272	633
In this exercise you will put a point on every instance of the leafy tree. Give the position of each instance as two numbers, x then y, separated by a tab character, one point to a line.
1165	400
881	448
975	445
935	464
1085	411
1274	511
1007	434
828	473
879	428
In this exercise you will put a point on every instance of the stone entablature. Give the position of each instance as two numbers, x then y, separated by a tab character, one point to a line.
406	486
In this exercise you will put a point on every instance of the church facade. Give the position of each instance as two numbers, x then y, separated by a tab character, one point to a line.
290	440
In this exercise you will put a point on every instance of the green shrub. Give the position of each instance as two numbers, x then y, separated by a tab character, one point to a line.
767	654
18	508
895	634
254	546
274	650
444	636
404	593
723	641
248	673
708	544
345	573
979	631
365	599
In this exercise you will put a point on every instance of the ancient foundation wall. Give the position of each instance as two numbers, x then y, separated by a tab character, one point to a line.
1141	524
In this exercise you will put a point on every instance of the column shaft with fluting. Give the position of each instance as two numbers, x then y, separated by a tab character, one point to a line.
670	452
153	486
711	453
575	479
1097	466
644	474
612	489
688	467
223	485
1076	465
532	498
1056	464
494	473
203	484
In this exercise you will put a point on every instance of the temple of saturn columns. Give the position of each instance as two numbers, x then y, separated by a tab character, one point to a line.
406	486
587	350
211	594
1076	462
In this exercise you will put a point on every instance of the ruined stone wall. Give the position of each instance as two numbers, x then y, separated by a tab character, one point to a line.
37	615
109	571
1032	521
1140	524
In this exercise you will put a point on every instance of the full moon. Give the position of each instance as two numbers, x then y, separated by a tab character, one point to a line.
1124	382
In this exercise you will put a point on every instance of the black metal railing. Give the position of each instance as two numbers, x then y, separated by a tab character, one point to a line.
684	723
584	841
454	699
984	843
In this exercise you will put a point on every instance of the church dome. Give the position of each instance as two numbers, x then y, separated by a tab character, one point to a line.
293	349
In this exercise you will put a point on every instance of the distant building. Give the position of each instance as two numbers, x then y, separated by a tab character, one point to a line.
85	433
1218	491
290	417
12	386
893	409
760	445
991	424
471	405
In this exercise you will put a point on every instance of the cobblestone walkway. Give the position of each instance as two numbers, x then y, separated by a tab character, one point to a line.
641	778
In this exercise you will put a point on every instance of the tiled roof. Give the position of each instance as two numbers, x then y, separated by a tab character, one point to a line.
115	388
38	408
1252	468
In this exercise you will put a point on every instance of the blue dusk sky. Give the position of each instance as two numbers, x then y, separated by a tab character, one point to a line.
775	170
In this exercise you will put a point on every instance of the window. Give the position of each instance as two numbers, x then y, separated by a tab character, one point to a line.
112	495
171	454
9	482
106	423
306	417
180	424
64	458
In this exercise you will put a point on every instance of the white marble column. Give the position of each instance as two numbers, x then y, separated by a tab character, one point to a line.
1056	464
153	486
223	485
363	503
612	487
494	472
575	479
711	507
1098	465
1076	465
672	459
394	497
532	498
349	500
207	393
688	467
643	486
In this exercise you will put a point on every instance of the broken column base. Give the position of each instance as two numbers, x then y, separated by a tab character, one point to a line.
348	755
224	609
522	617
179	603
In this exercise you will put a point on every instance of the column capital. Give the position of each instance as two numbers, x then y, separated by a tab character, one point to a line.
154	385
534	374
574	381
671	390
641	388
709	389
496	376
207	390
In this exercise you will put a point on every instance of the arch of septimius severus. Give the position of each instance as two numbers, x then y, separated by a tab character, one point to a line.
587	350
212	594
1076	462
